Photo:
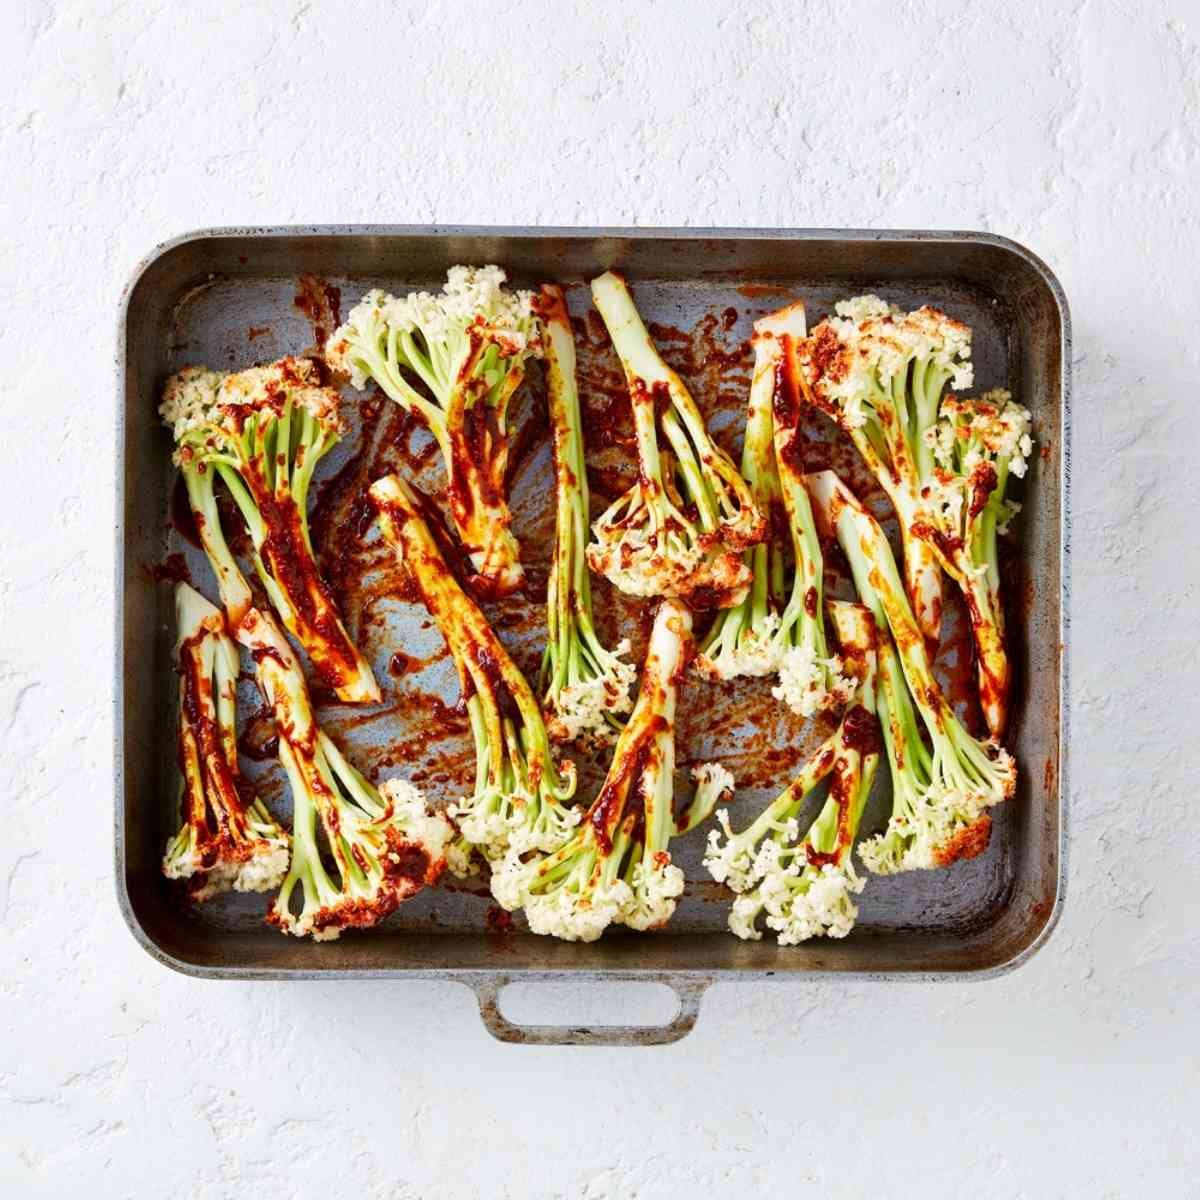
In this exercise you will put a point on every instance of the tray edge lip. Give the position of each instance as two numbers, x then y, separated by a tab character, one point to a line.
731	974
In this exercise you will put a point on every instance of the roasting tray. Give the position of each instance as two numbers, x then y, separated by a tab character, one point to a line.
230	297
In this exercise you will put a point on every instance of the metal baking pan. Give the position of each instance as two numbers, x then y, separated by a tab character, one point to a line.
234	296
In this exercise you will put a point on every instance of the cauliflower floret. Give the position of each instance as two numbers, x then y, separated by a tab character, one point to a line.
728	861
808	684
573	918
510	880
743	917
580	708
933	835
870	307
431	830
992	422
496	823
816	903
196	397
713	779
264	870
873	341
471	294
365	318
190	399
756	654
656	887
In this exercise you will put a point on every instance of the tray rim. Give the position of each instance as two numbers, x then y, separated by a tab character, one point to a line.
478	978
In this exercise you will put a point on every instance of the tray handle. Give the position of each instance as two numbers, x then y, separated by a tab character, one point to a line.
687	991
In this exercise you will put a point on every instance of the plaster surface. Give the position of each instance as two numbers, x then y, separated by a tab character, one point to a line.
1074	128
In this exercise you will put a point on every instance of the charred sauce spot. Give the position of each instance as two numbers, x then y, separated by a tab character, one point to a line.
259	742
609	806
401	664
172	569
861	732
967	843
321	303
182	517
983	484
948	545
497	920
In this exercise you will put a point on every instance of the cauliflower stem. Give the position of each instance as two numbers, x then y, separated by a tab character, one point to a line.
454	359
586	686
383	846
804	886
616	867
227	839
520	790
680	529
880	374
263	431
949	819
976	445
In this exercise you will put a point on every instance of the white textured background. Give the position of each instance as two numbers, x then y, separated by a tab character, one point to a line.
1075	129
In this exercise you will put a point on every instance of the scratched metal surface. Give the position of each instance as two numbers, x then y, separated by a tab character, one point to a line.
702	323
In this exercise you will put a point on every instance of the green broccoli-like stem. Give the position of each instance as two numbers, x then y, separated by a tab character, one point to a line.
966	776
585	686
880	374
616	867
805	885
383	846
678	531
468	346
520	789
264	431
975	445
747	639
227	839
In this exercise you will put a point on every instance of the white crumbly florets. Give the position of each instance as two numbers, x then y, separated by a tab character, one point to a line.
816	903
494	834
510	879
574	918
430	830
756	654
992	422
461	860
258	865
470	293
190	399
634	562
197	397
728	861
713	778
878	341
656	887
918	841
743	917
582	708
365	323
485	829
264	870
808	684
865	308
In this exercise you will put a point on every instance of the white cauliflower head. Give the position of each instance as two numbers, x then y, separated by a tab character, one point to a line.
657	884
573	917
816	902
808	684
